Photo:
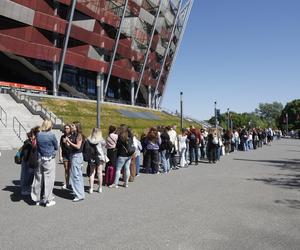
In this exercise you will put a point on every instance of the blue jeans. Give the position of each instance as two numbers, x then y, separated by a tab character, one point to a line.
26	177
123	162
76	178
165	160
137	164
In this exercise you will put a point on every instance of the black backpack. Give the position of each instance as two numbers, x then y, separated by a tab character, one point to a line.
89	151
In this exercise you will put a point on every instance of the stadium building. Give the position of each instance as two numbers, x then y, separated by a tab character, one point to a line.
122	50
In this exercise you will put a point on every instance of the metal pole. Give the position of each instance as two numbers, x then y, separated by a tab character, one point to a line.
181	111
191	2
228	126
167	49
287	123
98	86
115	48
148	50
215	114
55	65
66	41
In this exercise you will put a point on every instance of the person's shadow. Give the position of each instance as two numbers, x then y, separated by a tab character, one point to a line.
16	193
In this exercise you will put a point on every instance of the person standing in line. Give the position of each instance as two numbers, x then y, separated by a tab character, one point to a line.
182	139
193	139
29	161
65	154
76	179
98	158
165	148
111	143
139	148
124	142
173	138
44	175
151	160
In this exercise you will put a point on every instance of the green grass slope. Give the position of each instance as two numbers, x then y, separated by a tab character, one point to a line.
85	112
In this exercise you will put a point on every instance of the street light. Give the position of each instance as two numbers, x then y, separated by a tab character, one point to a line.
228	125
215	114
181	111
287	123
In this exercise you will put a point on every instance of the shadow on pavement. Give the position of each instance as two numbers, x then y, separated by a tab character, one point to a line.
290	203
288	164
288	181
16	193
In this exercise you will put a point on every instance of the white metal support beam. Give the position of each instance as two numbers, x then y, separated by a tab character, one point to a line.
190	4
116	47
148	50
167	50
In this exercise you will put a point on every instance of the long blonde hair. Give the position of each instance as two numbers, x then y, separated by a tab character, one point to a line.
96	134
47	125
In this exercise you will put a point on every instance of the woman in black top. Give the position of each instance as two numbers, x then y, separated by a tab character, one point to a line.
65	153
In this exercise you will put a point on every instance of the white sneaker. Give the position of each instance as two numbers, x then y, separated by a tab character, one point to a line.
91	191
77	199
113	186
50	203
64	187
99	190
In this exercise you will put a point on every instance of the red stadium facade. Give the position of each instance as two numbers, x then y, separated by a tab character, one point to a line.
122	50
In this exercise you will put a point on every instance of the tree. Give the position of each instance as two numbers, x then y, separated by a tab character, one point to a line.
271	112
292	109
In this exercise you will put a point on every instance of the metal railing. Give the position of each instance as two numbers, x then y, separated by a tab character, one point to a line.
38	108
3	119
19	129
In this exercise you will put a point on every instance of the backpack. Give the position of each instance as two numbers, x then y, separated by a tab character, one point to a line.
129	148
89	151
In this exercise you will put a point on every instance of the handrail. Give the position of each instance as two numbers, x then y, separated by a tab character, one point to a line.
20	128
1	119
39	108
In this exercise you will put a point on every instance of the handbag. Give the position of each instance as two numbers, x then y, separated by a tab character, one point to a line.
18	159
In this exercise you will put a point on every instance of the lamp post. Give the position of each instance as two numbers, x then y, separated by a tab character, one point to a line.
287	123
228	125
215	114
181	111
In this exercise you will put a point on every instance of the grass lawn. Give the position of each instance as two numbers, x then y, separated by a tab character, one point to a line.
85	112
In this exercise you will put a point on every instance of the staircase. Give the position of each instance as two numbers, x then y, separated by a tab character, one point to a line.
8	138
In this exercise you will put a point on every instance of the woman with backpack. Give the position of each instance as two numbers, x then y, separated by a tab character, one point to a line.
29	161
125	150
76	142
97	158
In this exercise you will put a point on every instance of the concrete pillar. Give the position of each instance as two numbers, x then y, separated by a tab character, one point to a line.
99	89
149	96
132	92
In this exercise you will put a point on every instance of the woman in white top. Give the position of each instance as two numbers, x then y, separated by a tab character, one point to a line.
138	149
182	147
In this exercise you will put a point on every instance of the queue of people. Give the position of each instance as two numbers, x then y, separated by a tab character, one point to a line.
160	149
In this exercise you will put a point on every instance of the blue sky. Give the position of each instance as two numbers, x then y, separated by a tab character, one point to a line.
239	53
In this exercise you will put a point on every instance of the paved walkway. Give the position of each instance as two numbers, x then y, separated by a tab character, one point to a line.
249	200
